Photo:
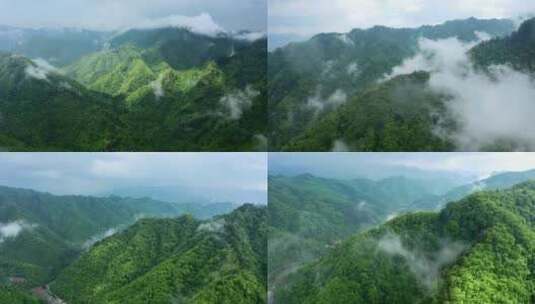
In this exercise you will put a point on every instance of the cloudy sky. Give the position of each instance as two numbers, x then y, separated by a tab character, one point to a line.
467	166
293	19
233	177
118	14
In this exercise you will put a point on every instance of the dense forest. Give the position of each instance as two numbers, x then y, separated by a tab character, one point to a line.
41	233
476	250
312	218
333	92
165	89
181	260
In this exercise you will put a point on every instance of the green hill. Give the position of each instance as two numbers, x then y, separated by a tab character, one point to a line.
477	250
182	260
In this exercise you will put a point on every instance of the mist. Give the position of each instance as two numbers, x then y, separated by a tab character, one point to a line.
426	267
239	101
13	229
491	107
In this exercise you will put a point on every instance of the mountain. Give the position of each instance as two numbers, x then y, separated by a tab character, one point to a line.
516	50
180	260
308	215
309	80
165	89
40	109
59	46
498	181
41	233
401	114
476	250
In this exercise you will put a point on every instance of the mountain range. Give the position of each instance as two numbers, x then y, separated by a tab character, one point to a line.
338	92
41	234
165	89
313	220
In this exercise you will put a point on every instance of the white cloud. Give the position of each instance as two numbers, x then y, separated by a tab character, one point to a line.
157	87
203	23
489	108
239	101
96	238
13	229
424	266
250	36
318	104
40	69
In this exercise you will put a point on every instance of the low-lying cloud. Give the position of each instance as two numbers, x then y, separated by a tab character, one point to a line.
202	24
40	69
13	229
96	238
239	101
212	226
426	267
490	107
318	104
157	87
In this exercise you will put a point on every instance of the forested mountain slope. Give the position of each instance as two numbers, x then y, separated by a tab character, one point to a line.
309	79
516	50
182	260
166	89
42	233
477	250
309	215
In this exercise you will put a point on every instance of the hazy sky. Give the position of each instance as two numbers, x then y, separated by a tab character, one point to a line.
112	14
236	177
380	165
308	17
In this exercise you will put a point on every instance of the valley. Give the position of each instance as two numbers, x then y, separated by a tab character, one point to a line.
391	241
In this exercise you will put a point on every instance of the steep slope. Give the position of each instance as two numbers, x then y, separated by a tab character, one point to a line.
149	90
184	91
42	233
309	215
308	80
182	260
402	114
516	50
477	250
42	110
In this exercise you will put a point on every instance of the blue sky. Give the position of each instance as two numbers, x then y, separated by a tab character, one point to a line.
118	14
295	19
235	177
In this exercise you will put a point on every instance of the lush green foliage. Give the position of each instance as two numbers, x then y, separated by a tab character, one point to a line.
58	227
300	74
153	90
12	295
516	50
477	250
183	260
308	215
